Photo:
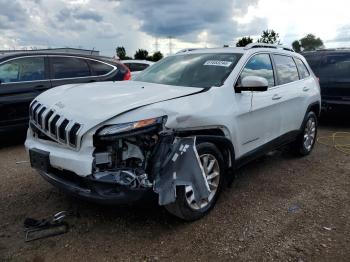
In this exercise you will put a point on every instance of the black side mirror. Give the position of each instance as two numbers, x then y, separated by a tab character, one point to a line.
252	83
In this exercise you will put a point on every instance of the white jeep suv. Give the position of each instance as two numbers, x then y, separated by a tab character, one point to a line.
178	129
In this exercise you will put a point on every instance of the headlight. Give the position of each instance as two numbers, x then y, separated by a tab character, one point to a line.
132	126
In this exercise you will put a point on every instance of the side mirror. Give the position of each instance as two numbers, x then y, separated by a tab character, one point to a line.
252	83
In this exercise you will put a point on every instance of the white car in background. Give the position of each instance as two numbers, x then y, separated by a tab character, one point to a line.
136	66
177	129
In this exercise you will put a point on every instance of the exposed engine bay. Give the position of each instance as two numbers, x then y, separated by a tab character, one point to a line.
157	160
126	160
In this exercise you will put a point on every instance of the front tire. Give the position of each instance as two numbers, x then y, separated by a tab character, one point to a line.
305	142
185	207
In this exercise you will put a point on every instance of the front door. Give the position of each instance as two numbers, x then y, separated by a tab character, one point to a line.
21	80
263	122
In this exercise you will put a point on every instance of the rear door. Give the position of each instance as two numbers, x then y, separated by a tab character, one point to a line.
22	79
334	75
69	70
291	93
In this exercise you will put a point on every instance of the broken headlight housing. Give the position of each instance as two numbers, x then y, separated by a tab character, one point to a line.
136	126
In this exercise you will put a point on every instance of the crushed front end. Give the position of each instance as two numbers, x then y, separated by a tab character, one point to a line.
127	162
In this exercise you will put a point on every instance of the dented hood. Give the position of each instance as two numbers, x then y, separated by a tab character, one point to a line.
93	103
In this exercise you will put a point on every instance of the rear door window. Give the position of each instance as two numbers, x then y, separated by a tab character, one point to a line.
259	65
69	67
100	68
286	69
303	71
23	70
336	67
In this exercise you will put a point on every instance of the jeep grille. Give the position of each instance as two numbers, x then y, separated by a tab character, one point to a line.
55	126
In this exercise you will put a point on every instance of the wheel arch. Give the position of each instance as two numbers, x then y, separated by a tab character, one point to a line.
218	138
313	107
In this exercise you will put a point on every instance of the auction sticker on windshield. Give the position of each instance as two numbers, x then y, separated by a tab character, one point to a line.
218	63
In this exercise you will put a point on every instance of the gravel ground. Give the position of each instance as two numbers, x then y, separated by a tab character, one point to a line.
279	208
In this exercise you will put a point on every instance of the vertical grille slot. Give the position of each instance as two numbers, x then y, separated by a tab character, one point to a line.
73	134
46	120
35	108
62	130
40	114
31	108
53	125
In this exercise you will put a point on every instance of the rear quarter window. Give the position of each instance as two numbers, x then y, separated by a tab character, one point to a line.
303	71
99	68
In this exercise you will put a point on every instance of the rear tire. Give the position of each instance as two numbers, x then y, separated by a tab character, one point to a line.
185	207
305	142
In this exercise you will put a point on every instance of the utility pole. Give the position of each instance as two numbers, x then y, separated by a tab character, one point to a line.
156	44
171	45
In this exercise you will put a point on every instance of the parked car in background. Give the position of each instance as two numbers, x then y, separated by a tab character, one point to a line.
177	128
24	76
332	67
136	66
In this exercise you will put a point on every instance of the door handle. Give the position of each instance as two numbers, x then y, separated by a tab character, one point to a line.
276	97
305	89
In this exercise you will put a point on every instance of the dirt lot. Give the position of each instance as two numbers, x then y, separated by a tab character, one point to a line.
279	208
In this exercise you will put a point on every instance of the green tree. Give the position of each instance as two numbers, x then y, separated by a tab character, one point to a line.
121	53
244	41
310	42
156	56
141	54
269	37
296	46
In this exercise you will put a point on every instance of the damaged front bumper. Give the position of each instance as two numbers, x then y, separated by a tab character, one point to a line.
125	168
94	190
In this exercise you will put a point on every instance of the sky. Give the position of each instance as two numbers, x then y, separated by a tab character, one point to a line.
148	24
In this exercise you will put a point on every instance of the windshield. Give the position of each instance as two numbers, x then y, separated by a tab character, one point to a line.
193	70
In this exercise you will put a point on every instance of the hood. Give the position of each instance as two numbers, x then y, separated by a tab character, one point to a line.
93	103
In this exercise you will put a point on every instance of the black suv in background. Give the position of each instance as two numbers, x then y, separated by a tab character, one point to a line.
332	67
23	76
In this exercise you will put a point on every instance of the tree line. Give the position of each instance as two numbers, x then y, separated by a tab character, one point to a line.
140	54
308	43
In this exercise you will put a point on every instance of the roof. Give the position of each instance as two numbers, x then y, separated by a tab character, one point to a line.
251	48
137	61
23	54
328	50
48	50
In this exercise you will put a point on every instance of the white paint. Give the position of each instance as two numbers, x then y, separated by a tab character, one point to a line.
248	119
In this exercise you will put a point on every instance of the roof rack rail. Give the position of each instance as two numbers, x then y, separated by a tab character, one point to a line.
187	50
263	45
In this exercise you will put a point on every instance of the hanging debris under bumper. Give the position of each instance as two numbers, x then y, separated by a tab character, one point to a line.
180	167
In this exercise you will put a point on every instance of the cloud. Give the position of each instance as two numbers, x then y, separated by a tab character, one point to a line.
12	14
78	14
343	35
184	19
106	24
